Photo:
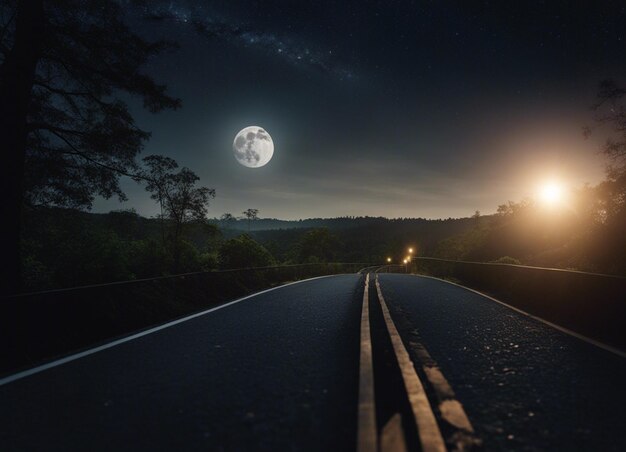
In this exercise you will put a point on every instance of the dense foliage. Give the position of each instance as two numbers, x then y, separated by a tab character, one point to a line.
580	235
65	247
67	70
244	252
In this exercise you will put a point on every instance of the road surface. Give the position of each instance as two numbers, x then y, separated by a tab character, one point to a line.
281	370
523	384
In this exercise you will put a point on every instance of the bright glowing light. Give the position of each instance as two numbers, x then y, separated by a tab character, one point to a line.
388	259
551	193
404	261
410	250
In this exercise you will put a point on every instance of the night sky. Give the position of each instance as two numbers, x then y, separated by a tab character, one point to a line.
394	108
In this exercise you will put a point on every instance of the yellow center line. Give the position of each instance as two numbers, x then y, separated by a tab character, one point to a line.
426	423
451	409
367	434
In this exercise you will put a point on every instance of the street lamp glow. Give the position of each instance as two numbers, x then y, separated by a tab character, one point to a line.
410	250
388	259
404	261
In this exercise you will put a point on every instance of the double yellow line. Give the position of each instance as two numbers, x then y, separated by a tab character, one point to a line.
367	433
429	433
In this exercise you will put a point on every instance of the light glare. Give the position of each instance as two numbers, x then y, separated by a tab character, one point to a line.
551	193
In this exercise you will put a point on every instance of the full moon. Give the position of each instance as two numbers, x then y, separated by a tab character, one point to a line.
253	147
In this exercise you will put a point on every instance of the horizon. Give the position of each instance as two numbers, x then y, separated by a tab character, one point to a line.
260	218
378	122
149	209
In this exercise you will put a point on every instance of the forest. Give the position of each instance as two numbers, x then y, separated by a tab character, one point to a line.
66	82
69	247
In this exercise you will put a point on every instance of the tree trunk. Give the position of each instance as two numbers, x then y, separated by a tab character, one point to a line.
17	75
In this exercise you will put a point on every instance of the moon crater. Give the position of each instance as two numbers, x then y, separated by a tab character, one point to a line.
253	147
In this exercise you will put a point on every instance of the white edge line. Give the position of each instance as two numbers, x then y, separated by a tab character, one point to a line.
91	351
599	344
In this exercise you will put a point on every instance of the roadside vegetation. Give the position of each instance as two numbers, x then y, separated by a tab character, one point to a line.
71	136
67	247
587	234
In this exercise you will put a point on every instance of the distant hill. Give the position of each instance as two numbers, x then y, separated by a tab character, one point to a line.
367	239
268	224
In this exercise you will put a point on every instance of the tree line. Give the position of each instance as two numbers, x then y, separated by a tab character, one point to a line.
68	247
67	68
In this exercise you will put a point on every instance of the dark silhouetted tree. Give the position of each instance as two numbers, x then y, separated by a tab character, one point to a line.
611	194
251	215
611	111
184	201
156	173
228	218
179	198
64	64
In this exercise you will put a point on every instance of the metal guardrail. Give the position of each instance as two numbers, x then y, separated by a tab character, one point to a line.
183	275
436	259
36	326
590	304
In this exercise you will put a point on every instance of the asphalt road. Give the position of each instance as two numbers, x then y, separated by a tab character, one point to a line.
280	371
524	385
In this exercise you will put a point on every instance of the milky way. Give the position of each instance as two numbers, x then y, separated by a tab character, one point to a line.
284	47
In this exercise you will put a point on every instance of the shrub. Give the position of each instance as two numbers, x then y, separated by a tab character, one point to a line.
244	252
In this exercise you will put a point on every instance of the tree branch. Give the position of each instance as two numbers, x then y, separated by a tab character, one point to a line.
76	152
62	92
55	130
